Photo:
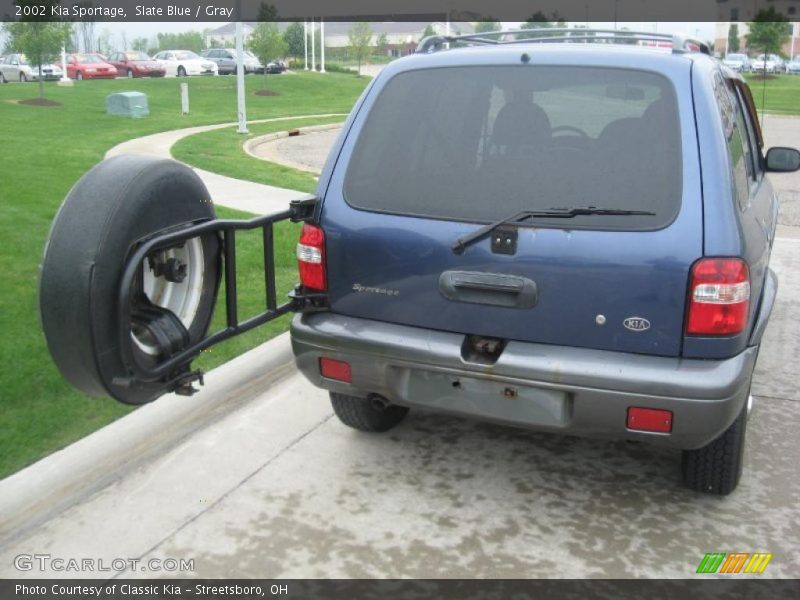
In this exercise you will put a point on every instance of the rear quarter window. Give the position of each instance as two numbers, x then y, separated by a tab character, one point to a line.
477	144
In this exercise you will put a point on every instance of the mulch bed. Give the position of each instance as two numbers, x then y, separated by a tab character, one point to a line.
39	102
266	93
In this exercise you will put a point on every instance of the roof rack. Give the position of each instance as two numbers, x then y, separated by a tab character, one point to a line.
680	43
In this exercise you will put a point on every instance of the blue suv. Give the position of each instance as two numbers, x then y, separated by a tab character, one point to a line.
571	237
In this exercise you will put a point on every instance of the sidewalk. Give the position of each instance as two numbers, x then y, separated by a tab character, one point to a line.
243	195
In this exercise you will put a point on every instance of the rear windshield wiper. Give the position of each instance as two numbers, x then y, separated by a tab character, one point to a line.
551	213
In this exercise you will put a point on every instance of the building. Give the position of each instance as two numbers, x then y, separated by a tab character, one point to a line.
743	11
790	49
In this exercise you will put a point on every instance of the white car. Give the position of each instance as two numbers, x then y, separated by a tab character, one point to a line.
737	62
180	63
15	67
771	64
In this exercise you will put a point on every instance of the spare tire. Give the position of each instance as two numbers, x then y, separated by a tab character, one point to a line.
117	204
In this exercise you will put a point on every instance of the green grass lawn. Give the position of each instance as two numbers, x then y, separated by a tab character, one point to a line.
44	151
780	93
221	151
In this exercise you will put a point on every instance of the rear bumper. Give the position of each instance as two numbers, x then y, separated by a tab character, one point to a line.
575	391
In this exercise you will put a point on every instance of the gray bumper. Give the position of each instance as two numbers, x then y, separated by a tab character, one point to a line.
551	388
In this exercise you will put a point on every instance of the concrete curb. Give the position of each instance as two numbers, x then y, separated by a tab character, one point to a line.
251	145
92	463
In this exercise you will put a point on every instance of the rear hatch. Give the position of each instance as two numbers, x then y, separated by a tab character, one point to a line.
435	154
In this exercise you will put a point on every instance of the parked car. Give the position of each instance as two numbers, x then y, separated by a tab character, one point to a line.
89	66
568	237
275	66
738	62
15	67
136	64
180	63
793	66
225	58
770	63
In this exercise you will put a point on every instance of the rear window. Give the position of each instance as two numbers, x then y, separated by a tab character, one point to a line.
481	143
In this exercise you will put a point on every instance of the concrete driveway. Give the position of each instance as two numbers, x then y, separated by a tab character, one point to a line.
280	489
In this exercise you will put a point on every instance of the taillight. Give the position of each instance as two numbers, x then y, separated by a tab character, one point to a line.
335	369
311	258
719	297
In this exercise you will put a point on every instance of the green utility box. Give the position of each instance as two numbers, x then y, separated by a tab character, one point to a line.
127	104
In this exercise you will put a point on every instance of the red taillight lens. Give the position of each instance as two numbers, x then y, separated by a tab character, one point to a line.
311	258
719	297
649	419
335	369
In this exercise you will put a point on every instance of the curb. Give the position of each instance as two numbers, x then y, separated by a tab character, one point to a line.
57	481
251	145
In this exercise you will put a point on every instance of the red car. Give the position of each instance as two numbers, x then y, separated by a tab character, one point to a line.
136	64
89	66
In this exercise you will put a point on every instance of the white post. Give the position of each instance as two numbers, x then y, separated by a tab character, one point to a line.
64	64
313	48
305	43
322	44
727	40
185	98
240	78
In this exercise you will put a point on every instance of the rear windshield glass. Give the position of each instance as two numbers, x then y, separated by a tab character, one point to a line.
480	143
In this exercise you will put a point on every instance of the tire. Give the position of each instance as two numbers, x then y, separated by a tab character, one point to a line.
717	467
130	73
181	72
117	203
366	415
23	78
2	78
79	76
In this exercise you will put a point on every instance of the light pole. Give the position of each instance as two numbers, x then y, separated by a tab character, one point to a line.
240	78
305	44
322	44
313	48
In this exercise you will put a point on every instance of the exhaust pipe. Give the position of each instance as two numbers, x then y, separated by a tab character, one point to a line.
379	402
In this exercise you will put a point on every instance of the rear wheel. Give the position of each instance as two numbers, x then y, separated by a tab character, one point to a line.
130	73
181	72
79	76
717	467
367	414
107	213
23	78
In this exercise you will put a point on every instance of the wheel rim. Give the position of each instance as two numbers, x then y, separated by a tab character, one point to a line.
130	73
181	72
80	76
182	298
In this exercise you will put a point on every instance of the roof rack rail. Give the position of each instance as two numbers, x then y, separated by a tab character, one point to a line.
680	43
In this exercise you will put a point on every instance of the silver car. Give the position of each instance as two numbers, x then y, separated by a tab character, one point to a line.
15	67
793	66
737	62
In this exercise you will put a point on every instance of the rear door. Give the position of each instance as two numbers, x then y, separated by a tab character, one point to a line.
435	154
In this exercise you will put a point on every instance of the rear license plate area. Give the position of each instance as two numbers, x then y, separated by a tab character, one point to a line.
496	400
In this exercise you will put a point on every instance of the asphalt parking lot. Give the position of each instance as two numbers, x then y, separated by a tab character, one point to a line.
279	488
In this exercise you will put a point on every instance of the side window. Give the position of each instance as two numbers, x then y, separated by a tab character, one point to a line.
750	118
735	137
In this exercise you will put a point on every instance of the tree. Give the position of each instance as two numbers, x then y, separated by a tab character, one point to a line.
429	31
188	40
539	20
40	41
769	32
293	38
266	42
733	38
382	42
488	25
104	45
360	37
86	29
139	44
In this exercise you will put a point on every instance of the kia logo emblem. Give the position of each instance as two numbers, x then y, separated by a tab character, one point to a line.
636	324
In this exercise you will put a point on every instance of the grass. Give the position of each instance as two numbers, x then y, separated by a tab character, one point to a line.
221	151
782	93
45	150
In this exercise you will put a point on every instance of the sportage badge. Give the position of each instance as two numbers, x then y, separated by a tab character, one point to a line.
636	324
